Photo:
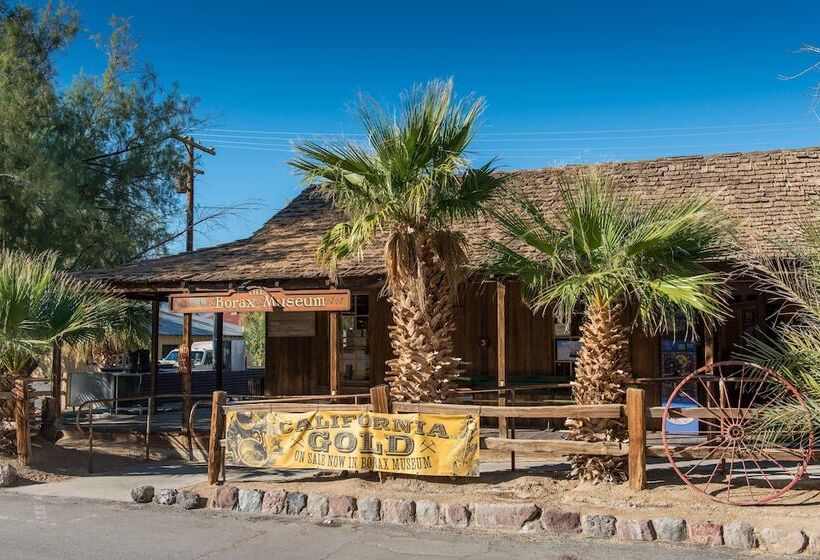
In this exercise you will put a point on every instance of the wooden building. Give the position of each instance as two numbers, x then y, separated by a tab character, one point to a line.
767	193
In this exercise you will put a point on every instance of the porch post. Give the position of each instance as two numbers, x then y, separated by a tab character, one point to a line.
154	351
501	349
219	322
57	377
185	369
333	349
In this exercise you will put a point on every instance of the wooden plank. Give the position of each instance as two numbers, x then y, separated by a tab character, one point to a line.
703	412
333	349
261	299
501	349
217	427
555	446
636	424
569	411
681	453
300	407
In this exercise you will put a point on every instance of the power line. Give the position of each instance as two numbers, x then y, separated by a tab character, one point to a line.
226	137
496	134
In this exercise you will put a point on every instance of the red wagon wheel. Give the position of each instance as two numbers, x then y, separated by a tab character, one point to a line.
719	437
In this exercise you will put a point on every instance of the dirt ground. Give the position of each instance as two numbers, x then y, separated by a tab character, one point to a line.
54	462
548	486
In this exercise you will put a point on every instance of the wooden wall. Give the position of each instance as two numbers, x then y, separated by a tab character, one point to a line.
300	365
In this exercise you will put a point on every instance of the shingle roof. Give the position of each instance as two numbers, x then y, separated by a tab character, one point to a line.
768	192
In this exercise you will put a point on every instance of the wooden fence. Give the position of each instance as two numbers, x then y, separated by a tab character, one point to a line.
633	412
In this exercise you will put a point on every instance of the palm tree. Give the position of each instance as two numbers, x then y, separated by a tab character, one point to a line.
793	347
41	306
404	188
623	263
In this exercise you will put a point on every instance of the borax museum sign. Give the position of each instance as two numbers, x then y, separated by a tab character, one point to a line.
261	299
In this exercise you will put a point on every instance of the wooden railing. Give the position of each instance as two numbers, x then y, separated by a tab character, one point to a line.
633	412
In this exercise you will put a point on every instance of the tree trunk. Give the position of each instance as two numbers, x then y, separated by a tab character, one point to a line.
21	421
424	368
600	373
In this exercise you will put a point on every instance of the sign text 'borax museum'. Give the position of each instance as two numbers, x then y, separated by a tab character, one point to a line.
261	299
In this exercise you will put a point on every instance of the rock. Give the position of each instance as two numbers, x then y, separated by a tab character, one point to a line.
427	512
250	501
561	522
296	503
226	497
317	505
8	476
739	535
398	511
706	532
370	509
509	516
782	541
341	506
188	500
142	494
814	543
670	529
598	526
165	496
635	530
457	515
533	526
274	501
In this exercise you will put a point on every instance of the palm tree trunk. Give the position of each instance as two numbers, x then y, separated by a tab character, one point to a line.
424	368
600	373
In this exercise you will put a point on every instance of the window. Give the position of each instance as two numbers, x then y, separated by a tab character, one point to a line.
567	344
355	331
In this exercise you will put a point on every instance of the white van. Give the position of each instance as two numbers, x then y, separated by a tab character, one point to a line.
202	356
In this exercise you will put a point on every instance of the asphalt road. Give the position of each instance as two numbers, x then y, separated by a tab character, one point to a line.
45	528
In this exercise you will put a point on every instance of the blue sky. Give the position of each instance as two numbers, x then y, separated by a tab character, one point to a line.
565	82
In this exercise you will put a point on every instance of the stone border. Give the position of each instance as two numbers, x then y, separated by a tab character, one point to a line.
519	517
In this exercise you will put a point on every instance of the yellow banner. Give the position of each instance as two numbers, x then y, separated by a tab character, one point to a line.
419	444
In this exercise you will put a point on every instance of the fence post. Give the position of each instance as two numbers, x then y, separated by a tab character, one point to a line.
380	399
21	420
636	424
217	427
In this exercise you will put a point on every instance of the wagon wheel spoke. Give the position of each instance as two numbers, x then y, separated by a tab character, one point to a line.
717	415
702	459
689	449
729	478
762	472
715	470
736	394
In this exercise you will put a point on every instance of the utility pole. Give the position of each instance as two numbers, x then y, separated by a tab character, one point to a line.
187	319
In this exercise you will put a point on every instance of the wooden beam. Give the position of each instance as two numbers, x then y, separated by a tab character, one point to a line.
683	452
219	323
155	357
703	412
567	411
555	447
302	407
185	369
333	349
636	423
217	427
57	377
501	349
